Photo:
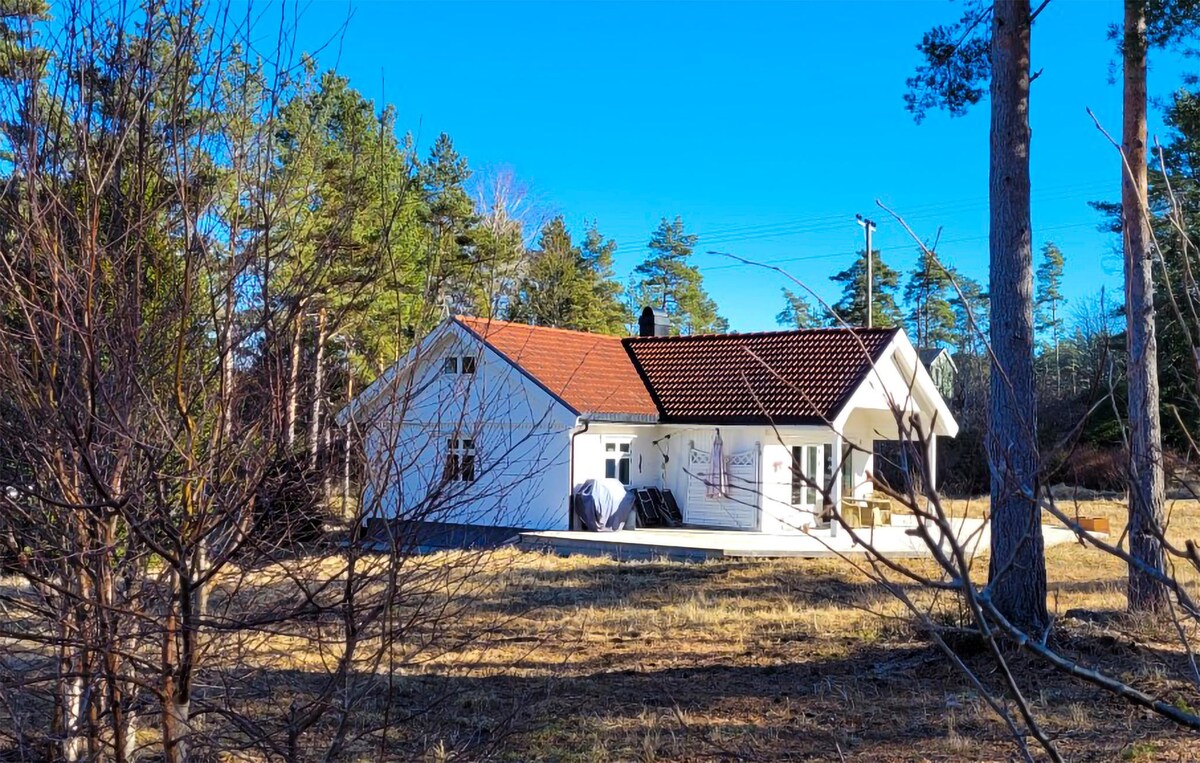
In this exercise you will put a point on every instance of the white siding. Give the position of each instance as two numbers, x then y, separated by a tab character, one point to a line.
521	436
645	460
779	515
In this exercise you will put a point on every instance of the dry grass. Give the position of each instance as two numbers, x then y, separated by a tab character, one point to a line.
778	660
587	659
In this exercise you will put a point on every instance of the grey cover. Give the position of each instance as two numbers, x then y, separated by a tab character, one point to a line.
603	504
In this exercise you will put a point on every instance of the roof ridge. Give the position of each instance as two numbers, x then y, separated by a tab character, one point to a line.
774	332
462	318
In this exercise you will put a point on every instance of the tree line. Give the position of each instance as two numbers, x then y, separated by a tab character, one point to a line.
206	249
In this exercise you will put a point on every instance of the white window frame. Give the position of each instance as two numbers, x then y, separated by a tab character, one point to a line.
462	462
808	497
617	455
457	365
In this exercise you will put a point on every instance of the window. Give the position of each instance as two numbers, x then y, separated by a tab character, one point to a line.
829	468
460	460
807	474
616	459
453	365
847	469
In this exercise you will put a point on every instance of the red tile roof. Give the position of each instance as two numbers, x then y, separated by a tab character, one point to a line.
796	377
788	377
591	373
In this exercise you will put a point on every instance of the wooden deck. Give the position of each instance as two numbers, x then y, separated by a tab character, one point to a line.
697	545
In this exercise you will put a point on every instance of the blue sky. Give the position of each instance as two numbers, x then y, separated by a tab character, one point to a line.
767	127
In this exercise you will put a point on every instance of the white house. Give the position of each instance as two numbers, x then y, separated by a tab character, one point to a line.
488	422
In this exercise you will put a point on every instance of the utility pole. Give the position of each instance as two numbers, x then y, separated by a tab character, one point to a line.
868	228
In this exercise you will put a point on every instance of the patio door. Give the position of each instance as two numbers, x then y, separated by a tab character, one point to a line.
812	471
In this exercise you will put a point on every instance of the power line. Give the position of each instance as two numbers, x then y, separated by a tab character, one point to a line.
854	252
817	224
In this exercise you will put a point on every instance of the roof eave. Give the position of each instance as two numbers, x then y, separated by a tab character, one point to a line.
621	418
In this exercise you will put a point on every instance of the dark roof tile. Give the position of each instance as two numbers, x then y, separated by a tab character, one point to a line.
782	376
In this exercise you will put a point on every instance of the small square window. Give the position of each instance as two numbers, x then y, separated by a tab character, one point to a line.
468	364
450	365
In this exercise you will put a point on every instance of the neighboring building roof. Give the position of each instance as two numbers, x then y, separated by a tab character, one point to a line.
930	354
590	373
788	377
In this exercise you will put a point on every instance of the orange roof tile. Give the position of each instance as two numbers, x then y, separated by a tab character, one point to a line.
591	373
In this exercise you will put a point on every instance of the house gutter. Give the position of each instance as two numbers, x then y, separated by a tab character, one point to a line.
581	425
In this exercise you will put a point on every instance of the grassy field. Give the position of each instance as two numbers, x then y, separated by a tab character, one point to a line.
522	656
787	660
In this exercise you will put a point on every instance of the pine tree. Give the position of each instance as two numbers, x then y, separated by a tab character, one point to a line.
671	283
552	292
928	293
971	316
348	214
852	307
797	313
608	313
1147	23
449	216
959	60
21	60
1048	302
568	286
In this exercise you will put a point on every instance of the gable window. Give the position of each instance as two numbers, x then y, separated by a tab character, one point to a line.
616	459
460	460
454	364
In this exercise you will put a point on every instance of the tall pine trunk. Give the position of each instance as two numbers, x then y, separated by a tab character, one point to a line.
1145	437
314	434
1017	577
293	384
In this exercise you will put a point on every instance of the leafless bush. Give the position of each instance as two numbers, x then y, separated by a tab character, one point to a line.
167	590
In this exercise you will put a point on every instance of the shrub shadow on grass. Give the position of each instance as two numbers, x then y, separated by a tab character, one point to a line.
625	584
803	710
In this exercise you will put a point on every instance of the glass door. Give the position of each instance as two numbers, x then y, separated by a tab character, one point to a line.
812	471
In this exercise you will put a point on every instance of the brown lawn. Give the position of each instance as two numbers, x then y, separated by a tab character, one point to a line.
793	660
535	657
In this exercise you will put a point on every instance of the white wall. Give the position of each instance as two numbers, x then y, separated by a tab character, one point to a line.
521	436
645	463
774	457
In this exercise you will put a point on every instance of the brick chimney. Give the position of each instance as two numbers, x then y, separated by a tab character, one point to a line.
654	322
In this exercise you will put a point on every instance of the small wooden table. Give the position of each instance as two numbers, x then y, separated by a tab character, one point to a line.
866	512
